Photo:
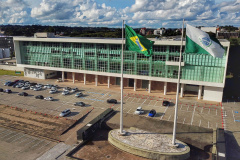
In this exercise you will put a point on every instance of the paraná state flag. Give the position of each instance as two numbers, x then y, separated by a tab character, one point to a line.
198	41
138	43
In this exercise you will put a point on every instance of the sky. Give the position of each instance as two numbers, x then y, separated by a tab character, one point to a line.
111	13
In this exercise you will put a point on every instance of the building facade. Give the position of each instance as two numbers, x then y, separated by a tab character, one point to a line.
6	47
99	61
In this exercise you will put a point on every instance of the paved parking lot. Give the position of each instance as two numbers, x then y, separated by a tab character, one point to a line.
16	145
92	98
190	111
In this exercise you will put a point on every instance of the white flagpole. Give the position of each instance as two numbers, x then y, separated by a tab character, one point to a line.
121	110
177	92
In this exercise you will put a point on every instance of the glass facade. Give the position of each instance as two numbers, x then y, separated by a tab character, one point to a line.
107	58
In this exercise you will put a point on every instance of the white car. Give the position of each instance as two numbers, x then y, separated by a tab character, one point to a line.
32	87
25	87
139	111
65	112
37	88
49	98
39	85
52	91
79	94
65	92
74	90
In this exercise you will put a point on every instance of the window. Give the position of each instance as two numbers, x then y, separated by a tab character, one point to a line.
174	48
159	57
159	48
101	46
115	47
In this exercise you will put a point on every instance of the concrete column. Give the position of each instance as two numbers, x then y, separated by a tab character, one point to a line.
165	88
108	82
73	77
200	92
96	80
182	90
63	76
135	84
149	86
84	78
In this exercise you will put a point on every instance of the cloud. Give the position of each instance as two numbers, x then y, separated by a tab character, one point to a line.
14	12
148	13
170	11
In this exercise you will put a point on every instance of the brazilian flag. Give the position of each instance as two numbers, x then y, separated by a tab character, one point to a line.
138	43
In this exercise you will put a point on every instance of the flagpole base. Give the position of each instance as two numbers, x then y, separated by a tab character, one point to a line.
124	133
143	143
174	146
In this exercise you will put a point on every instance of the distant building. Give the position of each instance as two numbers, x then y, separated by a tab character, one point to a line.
44	35
209	29
227	35
6	47
159	31
149	32
143	31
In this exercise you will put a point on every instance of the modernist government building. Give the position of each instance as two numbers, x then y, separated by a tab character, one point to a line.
99	60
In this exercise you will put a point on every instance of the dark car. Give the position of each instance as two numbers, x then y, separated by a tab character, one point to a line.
33	84
11	84
152	113
39	97
1	90
8	91
79	104
112	101
6	83
166	103
23	94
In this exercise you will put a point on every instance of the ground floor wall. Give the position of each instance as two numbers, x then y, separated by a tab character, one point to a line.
34	73
208	93
213	94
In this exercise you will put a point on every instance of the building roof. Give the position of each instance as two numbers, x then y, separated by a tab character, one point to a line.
172	41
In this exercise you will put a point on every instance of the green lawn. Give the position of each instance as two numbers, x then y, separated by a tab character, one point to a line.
6	72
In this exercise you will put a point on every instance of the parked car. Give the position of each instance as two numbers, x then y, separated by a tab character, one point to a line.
39	97
8	91
152	113
59	80
82	104
27	82
1	90
79	94
32	87
11	84
25	87
6	83
74	90
65	92
15	85
48	86
65	112
37	88
166	103
66	89
39	85
49	98
33	84
139	111
23	94
20	85
53	91
112	101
